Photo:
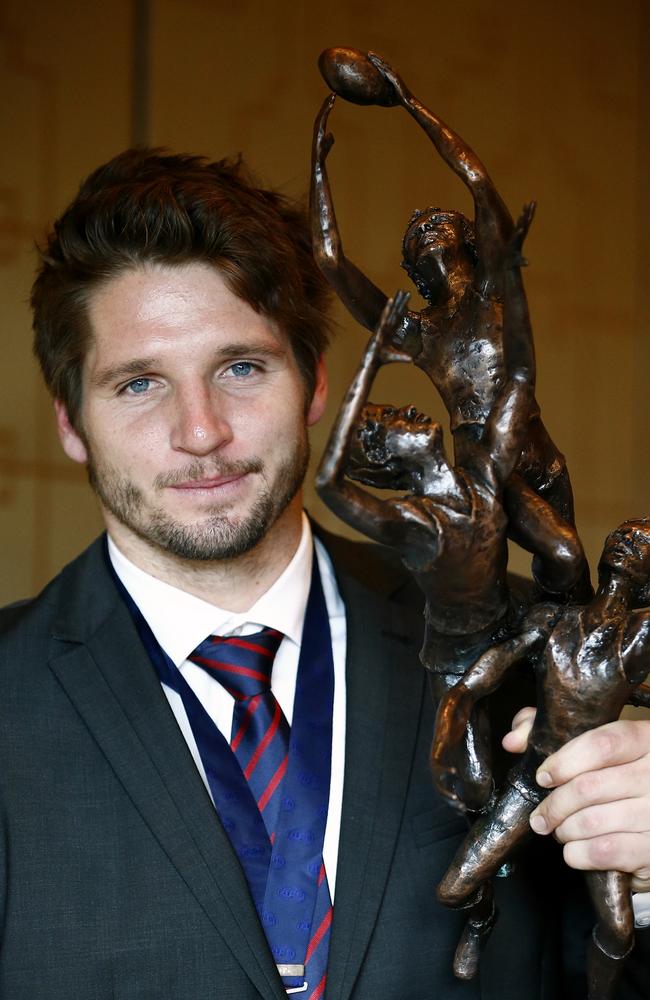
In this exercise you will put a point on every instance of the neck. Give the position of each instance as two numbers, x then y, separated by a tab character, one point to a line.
232	584
614	592
457	284
438	481
612	595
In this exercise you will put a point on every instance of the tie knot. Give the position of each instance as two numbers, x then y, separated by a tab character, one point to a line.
242	663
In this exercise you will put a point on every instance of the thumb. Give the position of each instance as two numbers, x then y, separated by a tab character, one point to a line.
517	739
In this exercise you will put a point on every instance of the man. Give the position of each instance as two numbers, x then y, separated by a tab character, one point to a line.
179	325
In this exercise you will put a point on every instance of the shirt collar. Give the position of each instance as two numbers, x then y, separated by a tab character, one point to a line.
180	621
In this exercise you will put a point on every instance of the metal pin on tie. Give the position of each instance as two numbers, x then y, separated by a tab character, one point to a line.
293	970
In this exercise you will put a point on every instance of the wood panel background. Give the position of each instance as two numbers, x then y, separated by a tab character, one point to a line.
553	96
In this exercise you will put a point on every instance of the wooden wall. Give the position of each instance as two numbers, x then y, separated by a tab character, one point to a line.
552	95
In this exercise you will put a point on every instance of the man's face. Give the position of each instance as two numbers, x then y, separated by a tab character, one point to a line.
193	415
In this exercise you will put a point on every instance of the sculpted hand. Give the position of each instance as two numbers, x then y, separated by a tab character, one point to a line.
383	340
452	717
513	254
600	804
323	140
448	785
407	338
393	78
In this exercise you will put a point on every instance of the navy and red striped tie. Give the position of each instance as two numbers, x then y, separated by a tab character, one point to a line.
260	741
260	732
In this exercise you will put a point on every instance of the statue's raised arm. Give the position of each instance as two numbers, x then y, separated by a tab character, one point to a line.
492	220
382	520
357	292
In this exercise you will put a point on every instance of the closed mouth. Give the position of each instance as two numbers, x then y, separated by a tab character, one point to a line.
212	483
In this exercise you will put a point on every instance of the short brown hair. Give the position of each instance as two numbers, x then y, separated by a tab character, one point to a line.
146	206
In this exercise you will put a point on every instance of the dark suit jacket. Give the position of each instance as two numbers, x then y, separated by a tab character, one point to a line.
117	881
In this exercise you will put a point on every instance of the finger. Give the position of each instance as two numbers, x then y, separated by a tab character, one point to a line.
626	815
526	714
380	65
516	740
389	74
391	354
323	114
398	307
614	743
609	784
625	852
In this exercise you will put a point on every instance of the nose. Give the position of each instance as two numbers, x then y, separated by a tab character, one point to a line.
200	426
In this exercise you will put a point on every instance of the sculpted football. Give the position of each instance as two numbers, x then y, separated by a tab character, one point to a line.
351	75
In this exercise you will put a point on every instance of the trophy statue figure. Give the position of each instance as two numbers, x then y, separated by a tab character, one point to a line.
457	339
451	523
590	661
450	527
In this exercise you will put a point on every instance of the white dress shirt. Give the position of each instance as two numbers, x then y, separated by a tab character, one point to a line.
180	621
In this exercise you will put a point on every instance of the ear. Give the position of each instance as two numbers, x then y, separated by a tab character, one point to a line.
73	444
319	399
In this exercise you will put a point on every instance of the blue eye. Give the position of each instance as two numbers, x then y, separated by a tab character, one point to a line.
241	368
139	385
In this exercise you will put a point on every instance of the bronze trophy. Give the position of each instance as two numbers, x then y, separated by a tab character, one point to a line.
451	522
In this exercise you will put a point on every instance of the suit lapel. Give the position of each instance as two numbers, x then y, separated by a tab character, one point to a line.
99	660
384	695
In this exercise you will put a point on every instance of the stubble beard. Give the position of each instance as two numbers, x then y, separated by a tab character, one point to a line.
221	533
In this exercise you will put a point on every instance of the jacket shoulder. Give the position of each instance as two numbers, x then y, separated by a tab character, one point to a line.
12	614
378	567
68	595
